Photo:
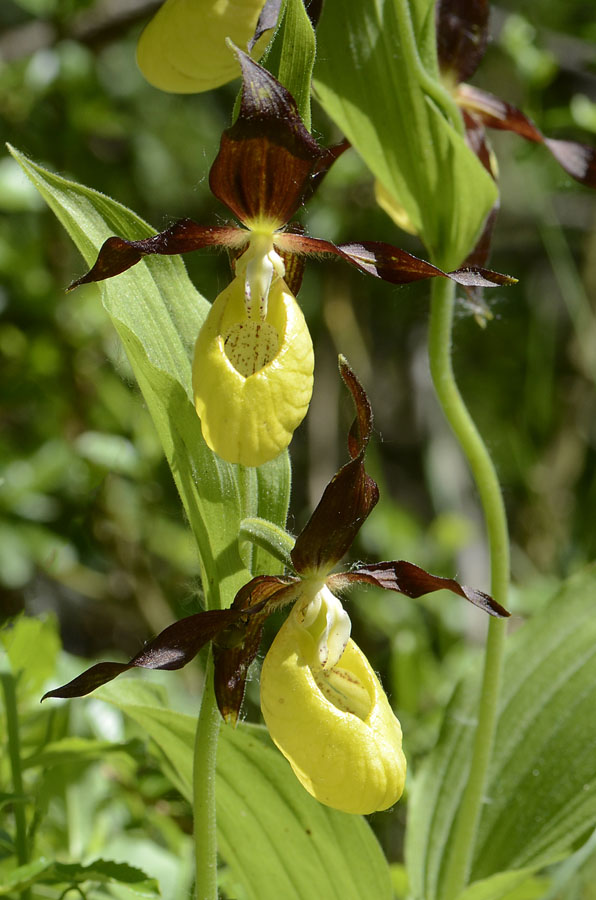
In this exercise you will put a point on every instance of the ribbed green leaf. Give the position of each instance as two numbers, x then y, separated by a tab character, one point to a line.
518	885
541	793
158	313
276	838
376	75
291	55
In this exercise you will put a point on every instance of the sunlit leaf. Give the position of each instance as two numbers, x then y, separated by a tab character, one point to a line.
541	791
260	799
383	92
158	313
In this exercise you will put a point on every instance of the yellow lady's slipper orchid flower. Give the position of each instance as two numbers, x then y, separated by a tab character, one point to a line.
267	166
253	364
331	719
183	48
322	702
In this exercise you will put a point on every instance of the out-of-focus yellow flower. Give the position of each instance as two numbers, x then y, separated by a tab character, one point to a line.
327	712
183	48
253	364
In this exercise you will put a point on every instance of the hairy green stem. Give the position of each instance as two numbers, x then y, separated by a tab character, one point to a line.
14	754
464	834
204	761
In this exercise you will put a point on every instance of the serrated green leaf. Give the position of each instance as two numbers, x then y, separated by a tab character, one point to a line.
158	313
376	76
103	871
541	791
277	840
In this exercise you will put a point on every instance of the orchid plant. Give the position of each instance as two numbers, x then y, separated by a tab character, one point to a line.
227	384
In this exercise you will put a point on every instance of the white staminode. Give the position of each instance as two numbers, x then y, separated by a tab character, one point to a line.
260	263
327	623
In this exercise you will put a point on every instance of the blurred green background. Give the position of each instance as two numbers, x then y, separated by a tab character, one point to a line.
91	530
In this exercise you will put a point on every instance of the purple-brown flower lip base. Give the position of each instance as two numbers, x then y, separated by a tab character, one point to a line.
347	501
268	165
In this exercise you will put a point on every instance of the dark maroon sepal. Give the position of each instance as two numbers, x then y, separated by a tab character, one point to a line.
347	500
578	160
117	255
462	35
234	650
267	157
173	648
406	578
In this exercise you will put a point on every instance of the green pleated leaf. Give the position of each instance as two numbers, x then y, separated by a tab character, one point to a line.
278	840
376	75
541	791
518	885
158	313
71	750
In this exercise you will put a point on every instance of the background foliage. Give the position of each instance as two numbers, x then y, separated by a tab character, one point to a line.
91	531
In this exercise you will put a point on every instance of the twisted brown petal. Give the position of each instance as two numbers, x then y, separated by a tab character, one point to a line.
347	500
173	648
117	255
389	263
578	160
406	578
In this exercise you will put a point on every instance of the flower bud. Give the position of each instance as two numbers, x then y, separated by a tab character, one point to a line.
252	376
333	724
183	48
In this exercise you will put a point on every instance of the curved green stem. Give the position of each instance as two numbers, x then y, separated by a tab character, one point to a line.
204	761
464	834
9	683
